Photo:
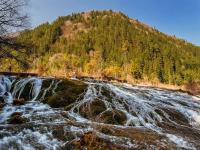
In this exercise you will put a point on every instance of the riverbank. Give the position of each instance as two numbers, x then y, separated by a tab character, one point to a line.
194	91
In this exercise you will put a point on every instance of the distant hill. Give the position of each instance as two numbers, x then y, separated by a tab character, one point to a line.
110	44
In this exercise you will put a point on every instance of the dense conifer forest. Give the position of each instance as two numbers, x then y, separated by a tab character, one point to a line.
107	44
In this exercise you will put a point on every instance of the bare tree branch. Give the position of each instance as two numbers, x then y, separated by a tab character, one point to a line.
12	18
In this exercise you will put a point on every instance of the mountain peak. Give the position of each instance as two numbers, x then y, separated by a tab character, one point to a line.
107	43
135	22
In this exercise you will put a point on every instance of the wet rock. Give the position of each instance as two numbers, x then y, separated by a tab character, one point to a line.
59	133
68	107
107	93
19	101
175	116
64	114
106	130
45	85
90	141
139	138
91	109
67	93
16	118
16	114
116	117
2	102
1	105
1	99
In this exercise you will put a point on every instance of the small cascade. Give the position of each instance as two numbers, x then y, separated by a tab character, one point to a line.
5	84
35	87
37	114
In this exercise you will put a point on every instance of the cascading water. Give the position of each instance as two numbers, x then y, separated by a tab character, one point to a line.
128	117
146	107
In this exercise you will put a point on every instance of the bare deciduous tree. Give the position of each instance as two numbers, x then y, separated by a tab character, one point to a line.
12	18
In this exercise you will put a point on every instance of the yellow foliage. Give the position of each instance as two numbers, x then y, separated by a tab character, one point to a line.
113	71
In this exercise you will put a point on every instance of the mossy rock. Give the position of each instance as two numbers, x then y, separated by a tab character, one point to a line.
92	109
57	100
67	93
115	117
68	84
16	118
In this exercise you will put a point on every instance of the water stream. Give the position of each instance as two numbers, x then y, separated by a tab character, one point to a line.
139	117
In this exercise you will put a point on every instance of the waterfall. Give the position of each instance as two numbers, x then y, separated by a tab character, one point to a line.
170	117
36	84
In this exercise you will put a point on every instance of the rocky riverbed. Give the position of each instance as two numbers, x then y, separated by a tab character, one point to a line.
49	113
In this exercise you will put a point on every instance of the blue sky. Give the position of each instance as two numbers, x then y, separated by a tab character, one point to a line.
174	17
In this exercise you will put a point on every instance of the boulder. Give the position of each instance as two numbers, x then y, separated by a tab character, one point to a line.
67	93
92	109
114	116
16	118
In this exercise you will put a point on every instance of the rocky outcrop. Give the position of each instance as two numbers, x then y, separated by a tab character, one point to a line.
66	93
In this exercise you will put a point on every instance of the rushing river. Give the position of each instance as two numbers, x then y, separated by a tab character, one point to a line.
125	116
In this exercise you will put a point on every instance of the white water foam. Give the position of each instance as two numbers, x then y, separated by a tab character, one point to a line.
180	142
30	140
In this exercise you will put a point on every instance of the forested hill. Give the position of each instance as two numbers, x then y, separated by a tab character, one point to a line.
107	43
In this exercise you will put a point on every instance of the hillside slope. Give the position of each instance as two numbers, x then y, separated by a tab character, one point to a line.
110	44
